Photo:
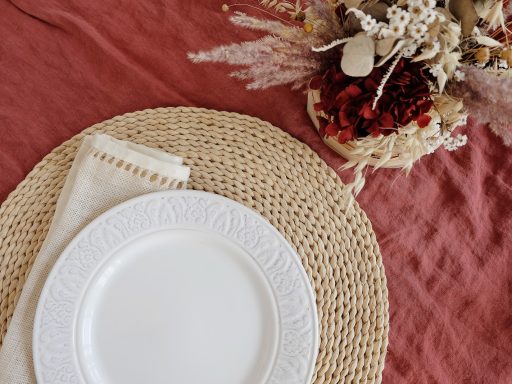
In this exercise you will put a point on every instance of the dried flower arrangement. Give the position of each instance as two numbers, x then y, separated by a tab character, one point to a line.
388	81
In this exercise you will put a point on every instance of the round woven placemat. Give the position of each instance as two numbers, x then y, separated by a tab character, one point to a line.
256	164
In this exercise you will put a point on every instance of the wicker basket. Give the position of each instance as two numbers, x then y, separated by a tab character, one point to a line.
399	158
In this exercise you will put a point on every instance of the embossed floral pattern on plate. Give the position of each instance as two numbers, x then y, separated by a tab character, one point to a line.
54	358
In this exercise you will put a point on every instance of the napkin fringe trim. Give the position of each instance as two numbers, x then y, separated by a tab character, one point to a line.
143	173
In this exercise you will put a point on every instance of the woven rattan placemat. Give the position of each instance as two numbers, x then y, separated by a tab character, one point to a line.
256	164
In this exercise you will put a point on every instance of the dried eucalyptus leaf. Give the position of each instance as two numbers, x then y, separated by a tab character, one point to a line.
465	12
384	46
397	47
357	12
488	41
358	56
352	3
354	23
377	11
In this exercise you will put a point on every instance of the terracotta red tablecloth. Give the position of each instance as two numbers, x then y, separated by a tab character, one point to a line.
444	231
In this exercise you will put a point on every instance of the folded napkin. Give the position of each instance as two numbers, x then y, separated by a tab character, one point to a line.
105	173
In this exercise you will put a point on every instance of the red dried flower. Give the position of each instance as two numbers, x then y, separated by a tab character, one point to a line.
348	101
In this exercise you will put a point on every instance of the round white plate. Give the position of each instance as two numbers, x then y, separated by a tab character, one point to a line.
177	287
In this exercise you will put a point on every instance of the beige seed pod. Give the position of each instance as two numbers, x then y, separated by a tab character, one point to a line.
482	55
308	27
506	54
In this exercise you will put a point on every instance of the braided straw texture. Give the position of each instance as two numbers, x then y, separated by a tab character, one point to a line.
256	164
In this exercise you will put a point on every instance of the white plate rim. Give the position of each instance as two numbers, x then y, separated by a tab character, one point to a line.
313	332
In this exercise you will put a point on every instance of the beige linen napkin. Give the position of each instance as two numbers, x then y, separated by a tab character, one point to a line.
105	172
